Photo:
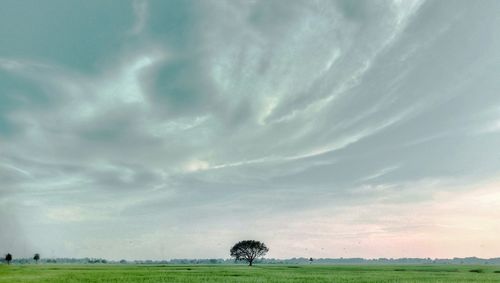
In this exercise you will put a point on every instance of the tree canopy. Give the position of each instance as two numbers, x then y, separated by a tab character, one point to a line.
8	258
248	250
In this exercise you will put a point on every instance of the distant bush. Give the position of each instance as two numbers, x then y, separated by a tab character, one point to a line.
496	271
8	258
97	260
476	270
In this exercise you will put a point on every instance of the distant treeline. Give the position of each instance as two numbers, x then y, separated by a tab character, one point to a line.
467	260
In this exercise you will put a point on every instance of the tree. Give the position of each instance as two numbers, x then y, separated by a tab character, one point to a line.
36	257
311	260
248	250
8	258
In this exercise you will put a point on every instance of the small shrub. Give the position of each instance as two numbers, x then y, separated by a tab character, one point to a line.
476	270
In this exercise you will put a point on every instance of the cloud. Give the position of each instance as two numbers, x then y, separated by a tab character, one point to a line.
140	13
310	125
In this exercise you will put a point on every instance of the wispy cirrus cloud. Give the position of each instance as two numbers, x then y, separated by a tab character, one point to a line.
180	118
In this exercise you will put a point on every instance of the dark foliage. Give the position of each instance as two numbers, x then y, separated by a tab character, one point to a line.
248	250
8	258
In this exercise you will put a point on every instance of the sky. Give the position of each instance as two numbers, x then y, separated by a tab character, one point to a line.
173	129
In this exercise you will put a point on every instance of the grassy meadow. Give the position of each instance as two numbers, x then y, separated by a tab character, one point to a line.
239	273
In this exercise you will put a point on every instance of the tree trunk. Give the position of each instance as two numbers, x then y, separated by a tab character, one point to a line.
250	263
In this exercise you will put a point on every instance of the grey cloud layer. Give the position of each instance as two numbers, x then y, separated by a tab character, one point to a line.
194	113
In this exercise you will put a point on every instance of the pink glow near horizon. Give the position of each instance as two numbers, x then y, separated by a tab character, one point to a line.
453	224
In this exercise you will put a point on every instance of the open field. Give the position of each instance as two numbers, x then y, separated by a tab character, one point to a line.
240	273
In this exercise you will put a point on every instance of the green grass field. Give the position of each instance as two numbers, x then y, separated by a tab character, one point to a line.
239	273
